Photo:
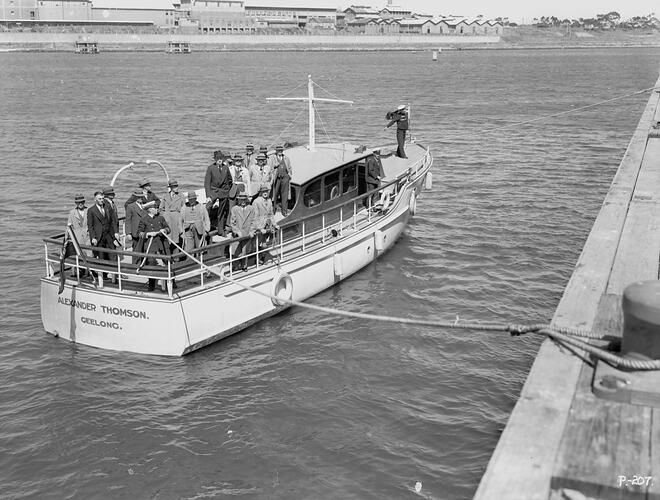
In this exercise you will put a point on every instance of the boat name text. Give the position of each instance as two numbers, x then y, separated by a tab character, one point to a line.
115	311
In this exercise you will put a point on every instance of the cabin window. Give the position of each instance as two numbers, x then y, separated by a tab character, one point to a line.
348	179
313	194
331	184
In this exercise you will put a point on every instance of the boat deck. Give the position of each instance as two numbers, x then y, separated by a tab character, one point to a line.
561	440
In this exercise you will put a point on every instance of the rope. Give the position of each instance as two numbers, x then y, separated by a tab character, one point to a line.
286	128
292	90
326	91
565	334
571	110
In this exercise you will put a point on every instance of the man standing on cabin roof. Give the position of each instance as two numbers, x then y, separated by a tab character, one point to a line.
195	223
218	183
170	208
109	200
400	117
99	224
260	174
152	230
281	170
135	212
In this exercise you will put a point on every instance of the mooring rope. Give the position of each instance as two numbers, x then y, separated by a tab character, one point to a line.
563	334
561	113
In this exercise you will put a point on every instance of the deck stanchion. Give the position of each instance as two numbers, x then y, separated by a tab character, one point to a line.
256	253
169	278
201	269
323	228
46	259
281	245
119	271
303	236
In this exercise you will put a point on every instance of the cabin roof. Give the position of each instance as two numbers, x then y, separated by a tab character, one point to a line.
307	165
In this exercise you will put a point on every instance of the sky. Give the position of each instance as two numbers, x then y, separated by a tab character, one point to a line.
515	10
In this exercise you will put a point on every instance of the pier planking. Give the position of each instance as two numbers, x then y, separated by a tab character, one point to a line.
560	437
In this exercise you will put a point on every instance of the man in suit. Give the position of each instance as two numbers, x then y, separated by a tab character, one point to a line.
400	117
218	183
135	211
242	217
99	224
109	200
281	171
152	230
374	172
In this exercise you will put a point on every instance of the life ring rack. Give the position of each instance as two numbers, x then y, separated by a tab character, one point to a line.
413	202
385	200
281	288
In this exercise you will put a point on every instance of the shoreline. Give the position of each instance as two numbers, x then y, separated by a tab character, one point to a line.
123	42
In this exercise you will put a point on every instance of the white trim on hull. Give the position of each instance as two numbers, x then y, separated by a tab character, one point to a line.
151	324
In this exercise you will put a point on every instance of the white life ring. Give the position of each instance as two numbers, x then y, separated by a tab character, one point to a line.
334	192
385	199
281	288
413	202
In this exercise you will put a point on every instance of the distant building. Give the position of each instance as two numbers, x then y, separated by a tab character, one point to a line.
394	12
18	10
355	12
411	26
298	16
64	10
164	18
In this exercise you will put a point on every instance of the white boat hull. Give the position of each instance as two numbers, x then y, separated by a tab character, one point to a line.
150	324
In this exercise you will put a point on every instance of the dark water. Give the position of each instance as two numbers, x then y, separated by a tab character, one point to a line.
304	405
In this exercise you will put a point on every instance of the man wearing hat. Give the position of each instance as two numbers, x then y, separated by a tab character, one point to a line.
260	174
109	200
242	217
135	212
170	208
217	184
148	193
99	224
374	172
400	117
281	168
195	223
152	230
264	222
250	158
78	222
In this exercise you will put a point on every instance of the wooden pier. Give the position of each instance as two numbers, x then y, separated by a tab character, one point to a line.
561	440
178	47
86	47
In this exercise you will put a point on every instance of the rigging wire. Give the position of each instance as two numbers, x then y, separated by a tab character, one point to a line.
570	110
286	128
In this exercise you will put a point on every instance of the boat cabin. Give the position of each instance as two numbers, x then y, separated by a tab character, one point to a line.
325	178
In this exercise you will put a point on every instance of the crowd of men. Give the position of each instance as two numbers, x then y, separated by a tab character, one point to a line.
245	192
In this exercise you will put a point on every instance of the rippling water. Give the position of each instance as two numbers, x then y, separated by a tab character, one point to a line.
305	405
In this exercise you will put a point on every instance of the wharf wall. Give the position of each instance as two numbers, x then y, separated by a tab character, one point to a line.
107	42
561	440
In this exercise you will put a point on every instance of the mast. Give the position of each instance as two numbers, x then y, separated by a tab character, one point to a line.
310	103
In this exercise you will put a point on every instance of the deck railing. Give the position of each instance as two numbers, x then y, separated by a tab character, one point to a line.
295	237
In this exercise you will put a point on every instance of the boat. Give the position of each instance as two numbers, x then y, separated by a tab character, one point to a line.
334	228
